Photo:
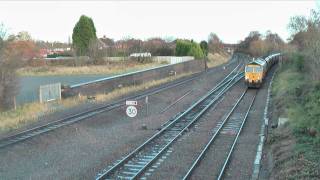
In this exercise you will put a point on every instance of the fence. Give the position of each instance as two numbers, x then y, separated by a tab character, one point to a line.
169	59
50	92
68	60
108	84
173	59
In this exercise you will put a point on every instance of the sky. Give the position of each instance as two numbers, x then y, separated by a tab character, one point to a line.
230	20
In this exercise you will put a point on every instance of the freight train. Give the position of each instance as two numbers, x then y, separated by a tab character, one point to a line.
256	70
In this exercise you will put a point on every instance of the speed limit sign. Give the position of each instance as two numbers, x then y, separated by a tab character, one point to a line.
131	111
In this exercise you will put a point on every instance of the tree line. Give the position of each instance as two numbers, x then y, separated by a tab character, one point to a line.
256	45
86	43
305	39
11	53
19	50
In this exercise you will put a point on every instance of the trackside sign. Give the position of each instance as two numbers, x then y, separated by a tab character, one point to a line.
131	110
131	103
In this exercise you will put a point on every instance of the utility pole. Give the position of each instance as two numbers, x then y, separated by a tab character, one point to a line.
205	64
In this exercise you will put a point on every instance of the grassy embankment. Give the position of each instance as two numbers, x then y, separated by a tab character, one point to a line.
112	68
296	145
28	113
217	58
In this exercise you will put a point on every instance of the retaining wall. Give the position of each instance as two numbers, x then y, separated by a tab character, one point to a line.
172	59
135	78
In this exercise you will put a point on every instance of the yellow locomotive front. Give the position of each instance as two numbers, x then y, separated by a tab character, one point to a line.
254	74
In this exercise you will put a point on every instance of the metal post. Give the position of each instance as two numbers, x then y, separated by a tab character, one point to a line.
59	91
14	103
147	106
205	65
40	96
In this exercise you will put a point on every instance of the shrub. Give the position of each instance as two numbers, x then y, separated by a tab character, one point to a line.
36	62
188	48
298	61
54	55
299	96
305	115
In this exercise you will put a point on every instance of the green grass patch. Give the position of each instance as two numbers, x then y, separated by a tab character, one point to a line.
297	97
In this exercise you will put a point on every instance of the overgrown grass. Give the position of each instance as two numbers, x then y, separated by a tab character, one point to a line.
28	113
297	97
23	114
217	59
113	68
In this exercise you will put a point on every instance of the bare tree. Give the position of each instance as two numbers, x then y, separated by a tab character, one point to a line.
158	47
9	61
214	43
312	53
97	51
24	36
259	48
306	35
8	81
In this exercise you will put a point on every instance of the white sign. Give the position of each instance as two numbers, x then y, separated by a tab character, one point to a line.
131	103
131	111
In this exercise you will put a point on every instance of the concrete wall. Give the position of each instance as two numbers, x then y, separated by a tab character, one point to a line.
172	59
169	59
85	60
108	84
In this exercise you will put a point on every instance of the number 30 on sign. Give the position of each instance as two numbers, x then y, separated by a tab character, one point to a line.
131	111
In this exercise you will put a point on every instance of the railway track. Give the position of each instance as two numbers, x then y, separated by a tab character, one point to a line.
30	133
218	151
138	161
22	136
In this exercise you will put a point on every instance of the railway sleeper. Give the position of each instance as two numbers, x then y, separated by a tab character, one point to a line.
133	166
139	162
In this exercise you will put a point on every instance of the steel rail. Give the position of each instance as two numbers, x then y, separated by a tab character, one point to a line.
236	139
29	133
126	159
201	155
188	125
175	102
217	132
226	80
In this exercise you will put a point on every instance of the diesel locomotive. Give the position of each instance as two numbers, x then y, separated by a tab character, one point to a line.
256	70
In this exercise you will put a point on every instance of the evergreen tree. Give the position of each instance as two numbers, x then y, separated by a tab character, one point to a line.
204	47
83	32
188	48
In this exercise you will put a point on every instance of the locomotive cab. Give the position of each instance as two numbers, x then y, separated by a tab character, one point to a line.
256	70
254	73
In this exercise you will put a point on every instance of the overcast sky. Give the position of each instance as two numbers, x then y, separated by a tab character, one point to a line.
230	20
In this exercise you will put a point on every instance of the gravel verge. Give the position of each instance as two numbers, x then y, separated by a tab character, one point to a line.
242	161
186	150
189	146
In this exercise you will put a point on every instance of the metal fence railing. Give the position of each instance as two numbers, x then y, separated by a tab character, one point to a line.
50	92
